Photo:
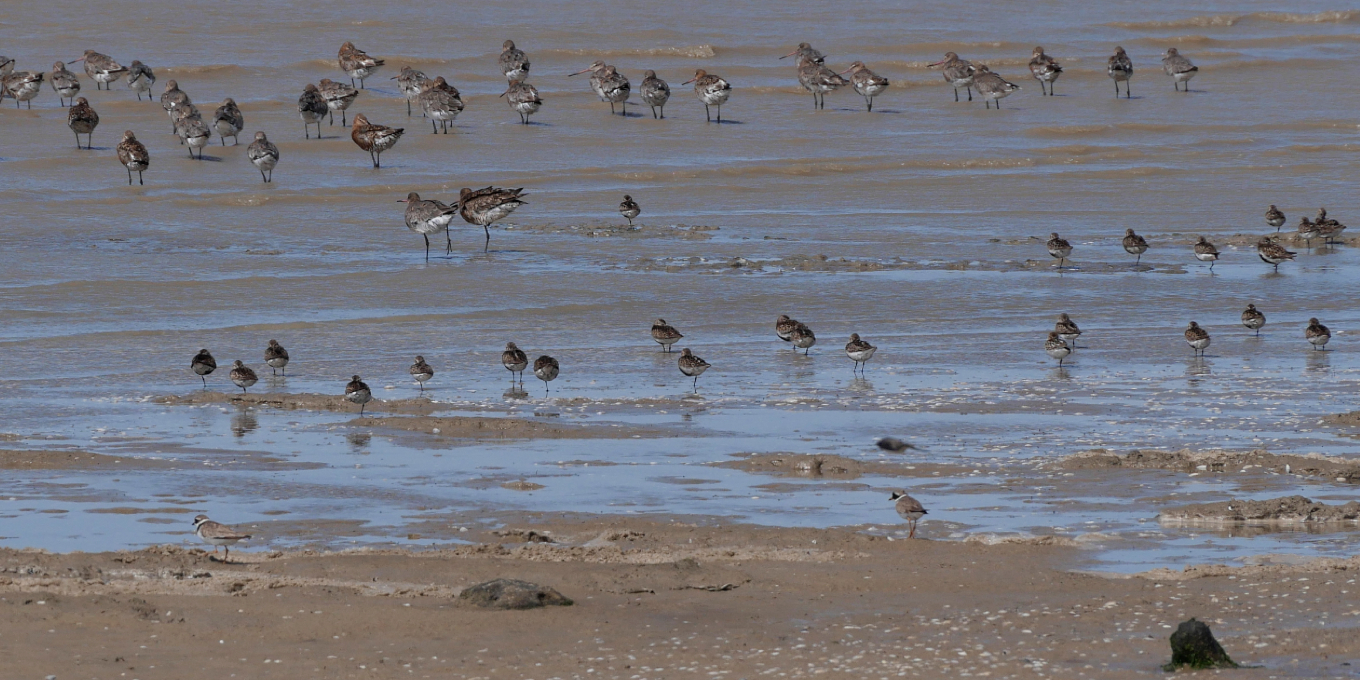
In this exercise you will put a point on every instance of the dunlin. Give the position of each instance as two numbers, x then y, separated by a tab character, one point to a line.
1056	348
312	108
1328	228
991	86
1120	69
1058	248
194	133
1044	69
1308	230
140	79
173	99
429	217
1272	253
338	97
629	209
1197	338
654	92
357	64
263	155
523	98
1179	68
692	366
1253	319
806	51
908	508
665	334
515	361
82	120
441	103
546	369
513	62
218	535
712	90
1317	334
485	207
819	80
802	338
242	376
357	392
228	121
783	327
867	83
374	139
101	68
1134	245
134	157
202	364
421	371
958	73
859	351
1206	252
64	82
1067	329
1275	218
411	82
23	86
276	357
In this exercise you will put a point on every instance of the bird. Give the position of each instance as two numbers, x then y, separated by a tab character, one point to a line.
515	361
1134	245
654	92
546	369
1206	252
859	351
1272	253
908	508
613	88
203	364
64	83
357	392
1317	334
1044	69
783	327
23	86
1056	348
1197	338
485	207
1253	319
133	155
441	103
411	82
421	371
806	51
665	334
629	209
523	98
1067	329
229	121
429	217
1120	69
818	80
172	99
712	90
802	338
893	444
263	155
1058	248
692	366
192	131
242	376
82	120
338	97
991	86
357	64
374	139
140	79
957	72
1328	228
217	535
1307	230
513	62
101	68
867	83
276	357
312	108
1179	68
1275	218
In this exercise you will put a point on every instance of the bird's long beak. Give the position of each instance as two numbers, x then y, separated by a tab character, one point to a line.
76	60
790	54
584	70
690	80
938	63
401	200
846	71
505	93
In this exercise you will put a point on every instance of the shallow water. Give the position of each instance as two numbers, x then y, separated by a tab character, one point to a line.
913	226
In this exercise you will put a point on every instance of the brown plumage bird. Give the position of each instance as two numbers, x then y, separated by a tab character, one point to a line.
485	207
357	64
82	120
134	157
515	361
546	369
242	375
357	392
374	139
908	508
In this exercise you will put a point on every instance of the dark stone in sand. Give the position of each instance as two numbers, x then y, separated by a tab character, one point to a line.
1194	646
508	593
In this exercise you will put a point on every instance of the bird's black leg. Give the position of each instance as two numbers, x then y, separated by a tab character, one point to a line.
487	247
427	247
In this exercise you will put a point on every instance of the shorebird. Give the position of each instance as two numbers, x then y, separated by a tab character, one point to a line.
140	79
202	364
1067	329
101	68
1275	218
411	83
132	154
515	361
908	508
665	334
818	80
654	92
276	357
1197	338
1206	252
783	327
441	103
1308	230
429	217
513	62
712	90
991	86
173	99
1120	69
22	86
806	51
1179	68
338	97
546	369
1134	245
1058	247
421	371
610	85
193	132
485	207
263	155
1056	348
1044	69
242	376
374	139
1272	253
357	392
802	338
859	351
1328	228
217	535
228	121
312	108
357	64
629	209
867	83
523	98
64	83
1253	319
82	120
692	366
1317	334
893	444
957	72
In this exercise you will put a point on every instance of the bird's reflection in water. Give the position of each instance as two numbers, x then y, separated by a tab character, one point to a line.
244	421
516	393
1060	373
1318	362
359	441
1197	368
861	385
